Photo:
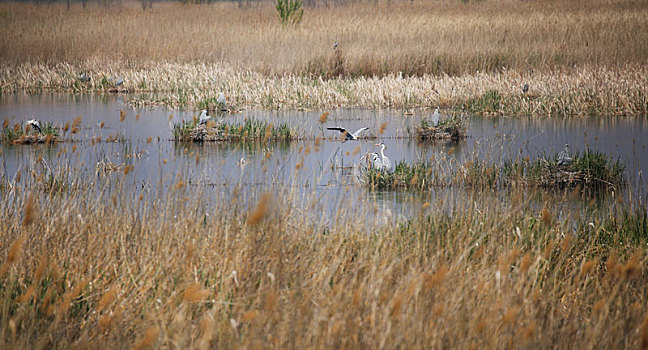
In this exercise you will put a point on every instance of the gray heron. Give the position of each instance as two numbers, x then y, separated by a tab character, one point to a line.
564	157
221	102
385	161
203	118
348	136
84	78
35	124
376	162
435	117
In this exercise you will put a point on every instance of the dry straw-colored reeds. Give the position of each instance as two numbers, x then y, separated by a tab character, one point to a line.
578	58
114	270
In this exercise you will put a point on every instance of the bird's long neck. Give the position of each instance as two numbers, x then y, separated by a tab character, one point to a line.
382	151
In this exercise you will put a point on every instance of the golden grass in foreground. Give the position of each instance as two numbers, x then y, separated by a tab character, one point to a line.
379	38
574	92
110	271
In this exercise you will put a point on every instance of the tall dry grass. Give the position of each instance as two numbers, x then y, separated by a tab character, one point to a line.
578	57
581	91
166	270
375	39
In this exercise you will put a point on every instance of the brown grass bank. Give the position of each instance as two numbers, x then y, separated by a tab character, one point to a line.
573	92
122	271
415	38
578	57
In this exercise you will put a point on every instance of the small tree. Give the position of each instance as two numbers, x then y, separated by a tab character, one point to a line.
290	11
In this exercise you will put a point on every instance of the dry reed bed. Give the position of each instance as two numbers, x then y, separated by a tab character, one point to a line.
376	38
573	92
579	57
109	270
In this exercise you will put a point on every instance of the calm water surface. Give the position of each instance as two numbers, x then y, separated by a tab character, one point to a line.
302	166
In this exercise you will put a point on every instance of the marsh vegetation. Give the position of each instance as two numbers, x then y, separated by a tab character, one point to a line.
249	130
472	57
114	270
255	242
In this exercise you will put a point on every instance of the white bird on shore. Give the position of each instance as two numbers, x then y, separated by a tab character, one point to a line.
348	136
435	117
386	162
203	117
35	124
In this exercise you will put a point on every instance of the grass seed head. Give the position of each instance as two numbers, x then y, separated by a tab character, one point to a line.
324	117
261	210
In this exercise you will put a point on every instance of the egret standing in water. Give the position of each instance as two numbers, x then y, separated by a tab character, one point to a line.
348	136
564	157
35	124
386	162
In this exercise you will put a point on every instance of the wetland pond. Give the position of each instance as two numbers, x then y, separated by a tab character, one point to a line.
112	137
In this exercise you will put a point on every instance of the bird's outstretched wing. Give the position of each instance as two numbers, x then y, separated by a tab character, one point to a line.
357	132
338	128
35	124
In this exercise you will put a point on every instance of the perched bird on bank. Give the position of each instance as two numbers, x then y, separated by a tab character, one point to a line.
83	78
376	163
221	102
564	157
348	136
435	117
386	162
203	117
335	44
35	124
525	88
119	81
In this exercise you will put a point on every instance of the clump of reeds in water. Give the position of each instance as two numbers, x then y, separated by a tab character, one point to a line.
20	134
452	128
249	130
591	169
405	176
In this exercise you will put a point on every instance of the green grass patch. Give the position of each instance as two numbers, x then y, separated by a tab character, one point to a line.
417	176
590	170
249	130
22	134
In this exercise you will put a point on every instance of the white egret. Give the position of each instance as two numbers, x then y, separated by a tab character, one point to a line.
386	162
435	117
35	124
564	157
203	117
348	136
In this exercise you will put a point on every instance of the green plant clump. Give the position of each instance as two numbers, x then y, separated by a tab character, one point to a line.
19	134
249	130
290	11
